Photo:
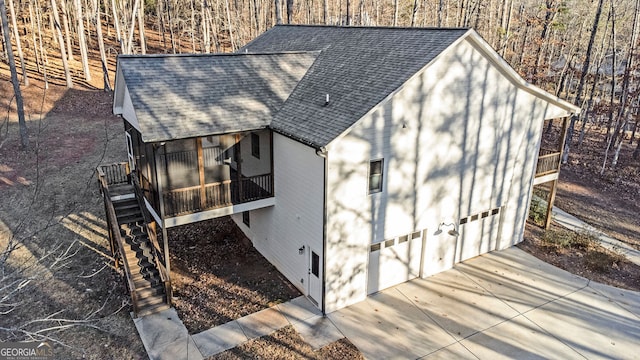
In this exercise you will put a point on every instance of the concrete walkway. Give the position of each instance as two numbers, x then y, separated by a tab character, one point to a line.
572	223
165	337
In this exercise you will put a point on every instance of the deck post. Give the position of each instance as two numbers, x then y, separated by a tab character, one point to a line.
203	193
238	152
554	183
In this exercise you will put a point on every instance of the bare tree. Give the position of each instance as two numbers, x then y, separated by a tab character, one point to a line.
24	136
103	55
583	78
16	35
63	54
83	42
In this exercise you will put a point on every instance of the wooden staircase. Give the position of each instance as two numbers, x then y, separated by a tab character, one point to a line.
149	288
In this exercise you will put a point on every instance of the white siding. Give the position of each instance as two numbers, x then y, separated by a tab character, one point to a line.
128	112
297	217
457	139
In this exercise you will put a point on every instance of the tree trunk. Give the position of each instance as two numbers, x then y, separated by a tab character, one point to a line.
2	44
116	25
24	136
325	12
414	12
623	114
32	25
143	42
170	23
226	5
45	60
63	54
583	78
67	32
290	11
103	55
132	27
395	12
83	42
16	34
550	15
278	12
348	23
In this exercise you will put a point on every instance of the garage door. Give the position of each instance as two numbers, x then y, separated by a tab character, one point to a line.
394	261
479	234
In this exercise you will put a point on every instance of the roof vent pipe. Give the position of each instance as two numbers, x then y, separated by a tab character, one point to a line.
326	100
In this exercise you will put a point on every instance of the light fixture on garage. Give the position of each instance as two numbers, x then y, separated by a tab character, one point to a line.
452	232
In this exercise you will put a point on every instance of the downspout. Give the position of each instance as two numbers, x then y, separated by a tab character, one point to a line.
322	152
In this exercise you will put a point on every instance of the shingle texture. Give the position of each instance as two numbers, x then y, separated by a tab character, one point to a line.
187	96
357	67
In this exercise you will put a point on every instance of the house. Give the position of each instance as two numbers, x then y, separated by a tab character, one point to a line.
354	158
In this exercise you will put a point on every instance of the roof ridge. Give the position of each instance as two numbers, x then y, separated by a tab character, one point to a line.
194	55
374	27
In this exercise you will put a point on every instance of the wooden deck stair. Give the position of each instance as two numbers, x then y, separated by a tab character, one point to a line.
149	288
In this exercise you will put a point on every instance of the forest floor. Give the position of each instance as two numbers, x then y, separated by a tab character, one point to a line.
50	206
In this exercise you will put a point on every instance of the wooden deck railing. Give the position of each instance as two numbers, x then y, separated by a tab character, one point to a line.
117	173
117	243
188	200
548	162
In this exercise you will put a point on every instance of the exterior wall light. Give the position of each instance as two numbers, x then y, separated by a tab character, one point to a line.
452	232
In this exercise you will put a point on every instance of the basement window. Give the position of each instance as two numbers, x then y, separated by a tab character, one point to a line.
375	176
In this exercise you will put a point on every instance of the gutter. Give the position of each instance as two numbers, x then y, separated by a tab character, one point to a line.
322	152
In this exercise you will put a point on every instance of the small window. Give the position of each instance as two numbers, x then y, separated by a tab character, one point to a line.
416	235
255	145
495	211
485	214
246	219
315	264
375	247
389	243
474	217
463	221
403	238
375	176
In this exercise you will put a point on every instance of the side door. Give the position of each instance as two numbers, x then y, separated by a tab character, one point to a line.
314	282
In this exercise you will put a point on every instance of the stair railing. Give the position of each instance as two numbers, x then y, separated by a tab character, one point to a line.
115	237
158	257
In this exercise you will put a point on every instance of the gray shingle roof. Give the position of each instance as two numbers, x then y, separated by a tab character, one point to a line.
186	96
358	67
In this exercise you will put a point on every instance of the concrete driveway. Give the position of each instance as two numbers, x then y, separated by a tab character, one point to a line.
506	304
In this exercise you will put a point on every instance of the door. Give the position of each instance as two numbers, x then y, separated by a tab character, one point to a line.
314	283
130	151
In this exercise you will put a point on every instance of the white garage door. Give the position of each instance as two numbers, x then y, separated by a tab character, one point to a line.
479	234
394	261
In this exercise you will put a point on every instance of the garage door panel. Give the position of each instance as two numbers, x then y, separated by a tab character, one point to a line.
478	235
393	264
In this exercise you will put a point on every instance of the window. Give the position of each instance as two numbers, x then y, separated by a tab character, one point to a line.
246	219
315	264
375	176
255	145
